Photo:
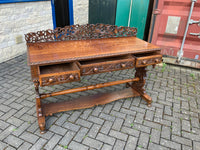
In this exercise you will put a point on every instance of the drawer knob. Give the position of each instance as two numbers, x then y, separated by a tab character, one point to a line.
144	62
123	65
71	77
96	69
156	60
50	80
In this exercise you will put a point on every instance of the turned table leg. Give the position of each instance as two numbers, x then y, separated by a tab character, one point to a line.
40	116
139	85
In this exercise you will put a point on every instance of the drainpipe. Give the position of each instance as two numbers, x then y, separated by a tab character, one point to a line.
180	52
130	10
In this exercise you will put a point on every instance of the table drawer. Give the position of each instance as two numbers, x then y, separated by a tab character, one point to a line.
106	64
143	60
58	73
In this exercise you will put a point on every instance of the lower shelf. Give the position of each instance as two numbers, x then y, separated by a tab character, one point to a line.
87	101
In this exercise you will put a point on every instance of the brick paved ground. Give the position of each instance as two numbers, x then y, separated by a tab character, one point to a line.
171	123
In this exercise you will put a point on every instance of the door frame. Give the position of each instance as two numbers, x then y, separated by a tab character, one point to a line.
71	17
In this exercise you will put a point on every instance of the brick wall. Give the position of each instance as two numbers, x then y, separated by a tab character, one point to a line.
81	10
17	19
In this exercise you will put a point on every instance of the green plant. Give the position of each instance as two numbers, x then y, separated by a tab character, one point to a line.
85	136
14	129
163	67
131	124
192	75
140	146
65	147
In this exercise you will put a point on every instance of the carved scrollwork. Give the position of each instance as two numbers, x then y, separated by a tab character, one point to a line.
80	32
141	74
150	61
107	68
59	79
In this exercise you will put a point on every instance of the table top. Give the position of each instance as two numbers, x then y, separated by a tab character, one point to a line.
68	51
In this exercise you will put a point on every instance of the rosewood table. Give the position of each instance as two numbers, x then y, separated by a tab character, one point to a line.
65	54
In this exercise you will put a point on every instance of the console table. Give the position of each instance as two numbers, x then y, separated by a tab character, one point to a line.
65	54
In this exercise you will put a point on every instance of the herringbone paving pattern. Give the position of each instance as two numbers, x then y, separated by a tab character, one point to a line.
171	123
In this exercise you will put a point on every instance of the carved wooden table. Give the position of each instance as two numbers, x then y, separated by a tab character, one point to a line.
65	54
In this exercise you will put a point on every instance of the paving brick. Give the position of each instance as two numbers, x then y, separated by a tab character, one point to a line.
181	140
29	137
149	115
50	121
143	140
76	146
71	126
106	117
119	145
106	127
142	128
117	124
118	135
152	124
21	129
67	138
39	144
166	132
127	103
191	136
84	123
21	112
52	142
95	112
95	120
141	110
7	115
184	147
74	116
105	139
195	122
14	141
170	144
62	119
176	128
117	106
128	112
130	131
153	146
3	125
196	145
155	136
7	132
186	125
131	143
25	146
139	118
106	147
118	114
94	130
82	133
3	145
33	127
107	108
92	143
58	130
159	112
162	121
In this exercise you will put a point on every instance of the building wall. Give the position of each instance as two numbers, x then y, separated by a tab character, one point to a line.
17	19
81	11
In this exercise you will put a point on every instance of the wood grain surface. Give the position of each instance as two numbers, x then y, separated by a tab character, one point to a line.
68	51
